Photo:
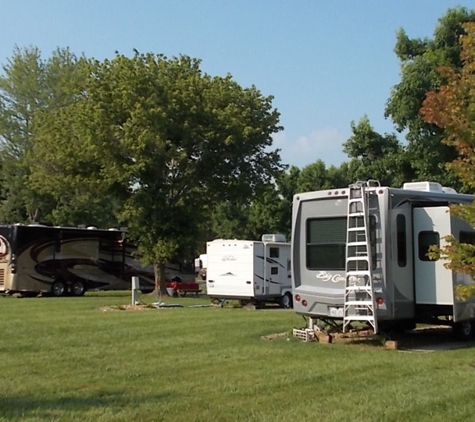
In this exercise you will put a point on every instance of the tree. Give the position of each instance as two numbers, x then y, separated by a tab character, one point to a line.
374	156
452	108
166	140
420	59
28	86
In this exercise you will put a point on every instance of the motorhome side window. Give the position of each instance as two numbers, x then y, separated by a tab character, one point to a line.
274	270
274	252
426	240
326	243
401	240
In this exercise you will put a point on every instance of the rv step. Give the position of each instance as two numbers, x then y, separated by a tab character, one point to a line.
365	303
369	318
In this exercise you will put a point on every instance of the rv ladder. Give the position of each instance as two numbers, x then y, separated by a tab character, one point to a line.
359	301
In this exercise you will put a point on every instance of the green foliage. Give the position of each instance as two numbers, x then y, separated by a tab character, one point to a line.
420	59
153	141
452	108
374	156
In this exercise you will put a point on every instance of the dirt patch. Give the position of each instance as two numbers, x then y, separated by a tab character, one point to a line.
276	336
126	308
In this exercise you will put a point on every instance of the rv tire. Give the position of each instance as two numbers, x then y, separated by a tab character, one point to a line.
78	289
58	288
286	301
463	331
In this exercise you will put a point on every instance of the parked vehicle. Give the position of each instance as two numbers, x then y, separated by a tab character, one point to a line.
250	271
361	254
68	260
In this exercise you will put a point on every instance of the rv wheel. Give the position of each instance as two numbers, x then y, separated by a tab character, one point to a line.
463	331
58	288
78	289
286	301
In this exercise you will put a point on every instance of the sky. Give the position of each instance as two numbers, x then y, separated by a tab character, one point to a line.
325	62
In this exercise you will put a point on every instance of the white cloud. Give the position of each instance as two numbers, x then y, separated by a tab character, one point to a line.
323	144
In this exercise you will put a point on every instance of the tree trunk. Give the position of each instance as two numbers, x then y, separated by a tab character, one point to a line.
160	280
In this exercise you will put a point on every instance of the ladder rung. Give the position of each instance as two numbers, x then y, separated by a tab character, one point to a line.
358	288
358	258
360	273
357	229
357	244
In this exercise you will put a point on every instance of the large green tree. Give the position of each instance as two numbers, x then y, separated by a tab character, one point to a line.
419	60
165	140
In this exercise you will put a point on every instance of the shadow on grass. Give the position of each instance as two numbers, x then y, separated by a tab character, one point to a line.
62	407
432	339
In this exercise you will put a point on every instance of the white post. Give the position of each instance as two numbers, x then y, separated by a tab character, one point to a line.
135	290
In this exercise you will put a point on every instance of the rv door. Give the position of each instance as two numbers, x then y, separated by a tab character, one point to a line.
433	282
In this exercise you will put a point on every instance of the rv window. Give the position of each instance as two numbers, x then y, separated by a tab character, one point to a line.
467	237
274	270
426	240
289	265
274	252
401	240
326	243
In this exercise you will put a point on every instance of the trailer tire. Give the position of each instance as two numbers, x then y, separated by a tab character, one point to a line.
58	288
286	301
78	289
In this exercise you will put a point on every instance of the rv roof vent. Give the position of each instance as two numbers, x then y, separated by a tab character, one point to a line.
273	238
92	228
423	186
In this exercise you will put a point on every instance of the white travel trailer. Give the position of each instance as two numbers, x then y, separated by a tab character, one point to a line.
361	254
250	271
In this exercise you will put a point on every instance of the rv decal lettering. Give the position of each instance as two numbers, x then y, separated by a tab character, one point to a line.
228	258
325	276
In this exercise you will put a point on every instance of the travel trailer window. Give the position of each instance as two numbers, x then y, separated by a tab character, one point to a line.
467	237
326	243
274	252
401	240
426	240
274	270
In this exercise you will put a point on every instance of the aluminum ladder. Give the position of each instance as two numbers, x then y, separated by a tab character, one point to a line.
359	300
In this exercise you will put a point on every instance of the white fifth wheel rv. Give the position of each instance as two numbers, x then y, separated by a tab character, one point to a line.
250	271
361	254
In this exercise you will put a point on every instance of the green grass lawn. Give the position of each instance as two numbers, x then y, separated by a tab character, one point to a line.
66	359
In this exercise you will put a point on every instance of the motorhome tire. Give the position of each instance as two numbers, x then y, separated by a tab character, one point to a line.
78	289
463	331
58	288
286	301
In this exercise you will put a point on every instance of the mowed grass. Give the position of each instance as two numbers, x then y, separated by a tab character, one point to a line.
66	359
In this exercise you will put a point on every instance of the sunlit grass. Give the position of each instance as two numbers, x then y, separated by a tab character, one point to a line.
74	359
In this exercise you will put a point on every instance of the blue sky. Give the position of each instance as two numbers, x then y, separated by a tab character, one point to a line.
325	62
